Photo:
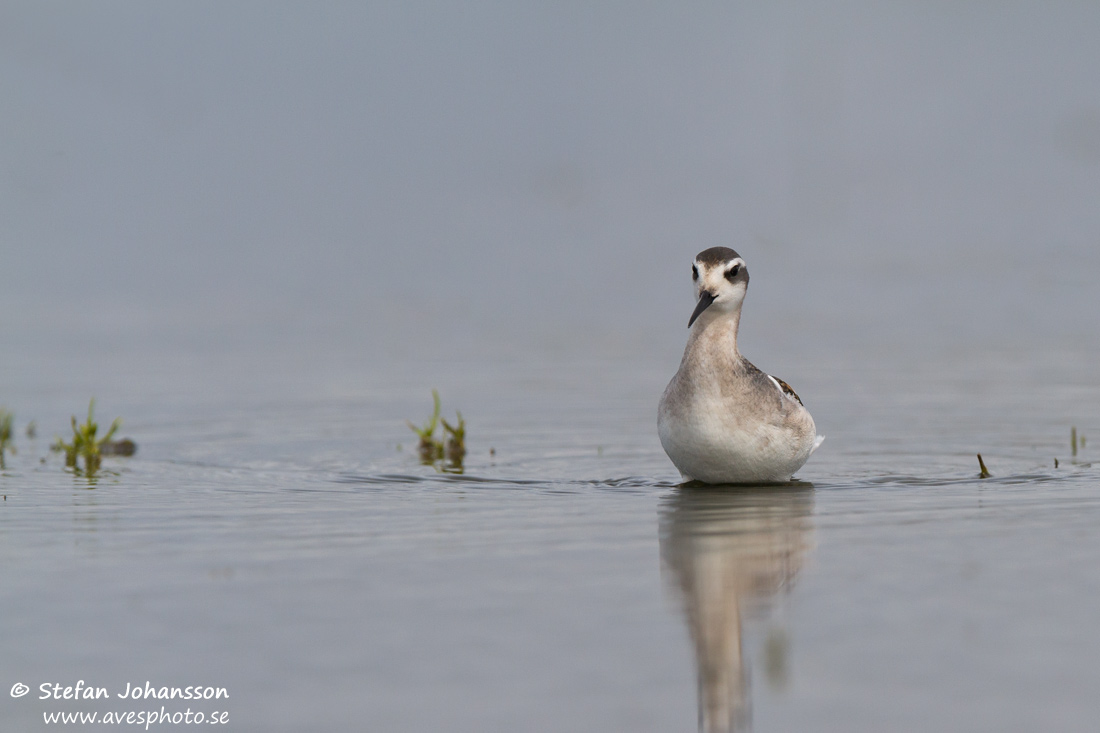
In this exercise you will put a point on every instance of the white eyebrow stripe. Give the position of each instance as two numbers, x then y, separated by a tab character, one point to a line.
737	261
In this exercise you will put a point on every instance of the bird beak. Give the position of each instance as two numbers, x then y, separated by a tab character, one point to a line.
705	299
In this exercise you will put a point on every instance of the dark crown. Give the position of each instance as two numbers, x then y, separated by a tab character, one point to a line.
716	256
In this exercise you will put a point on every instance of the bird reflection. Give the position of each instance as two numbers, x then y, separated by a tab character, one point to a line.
728	552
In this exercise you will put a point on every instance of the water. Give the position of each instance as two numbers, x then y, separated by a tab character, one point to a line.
284	549
262	235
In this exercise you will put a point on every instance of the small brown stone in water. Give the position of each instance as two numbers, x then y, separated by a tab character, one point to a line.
124	447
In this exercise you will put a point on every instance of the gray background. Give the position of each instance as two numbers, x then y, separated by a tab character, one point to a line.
404	181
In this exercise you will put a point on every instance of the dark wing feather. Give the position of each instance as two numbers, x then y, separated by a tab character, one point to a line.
788	389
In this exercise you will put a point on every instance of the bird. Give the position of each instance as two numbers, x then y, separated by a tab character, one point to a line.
721	420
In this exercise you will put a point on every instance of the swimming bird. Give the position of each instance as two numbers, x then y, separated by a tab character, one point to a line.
721	420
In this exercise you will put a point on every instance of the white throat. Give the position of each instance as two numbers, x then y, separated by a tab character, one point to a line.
716	327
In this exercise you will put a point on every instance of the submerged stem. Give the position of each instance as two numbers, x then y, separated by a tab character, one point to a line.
985	471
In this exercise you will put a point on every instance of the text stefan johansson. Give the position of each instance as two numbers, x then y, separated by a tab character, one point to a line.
81	691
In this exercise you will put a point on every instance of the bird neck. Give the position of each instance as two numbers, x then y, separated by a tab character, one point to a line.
716	333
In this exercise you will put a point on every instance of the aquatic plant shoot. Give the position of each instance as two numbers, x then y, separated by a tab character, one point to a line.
985	471
6	420
449	452
85	445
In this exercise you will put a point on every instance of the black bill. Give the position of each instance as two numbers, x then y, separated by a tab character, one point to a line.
705	299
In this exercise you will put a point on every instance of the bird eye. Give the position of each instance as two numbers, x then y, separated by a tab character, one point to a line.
694	272
732	273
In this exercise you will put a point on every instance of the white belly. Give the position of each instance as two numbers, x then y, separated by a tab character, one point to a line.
719	446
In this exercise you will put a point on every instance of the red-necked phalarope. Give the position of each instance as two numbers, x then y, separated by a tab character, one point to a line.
722	420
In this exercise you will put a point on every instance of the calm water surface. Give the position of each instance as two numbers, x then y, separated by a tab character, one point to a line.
276	543
263	238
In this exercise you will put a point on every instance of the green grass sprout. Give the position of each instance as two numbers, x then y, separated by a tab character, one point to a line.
85	444
985	471
448	451
455	445
6	420
430	449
